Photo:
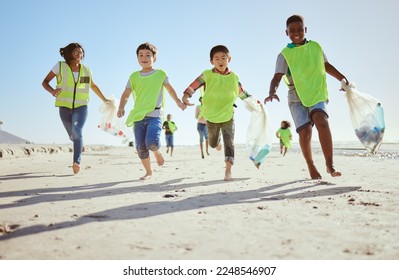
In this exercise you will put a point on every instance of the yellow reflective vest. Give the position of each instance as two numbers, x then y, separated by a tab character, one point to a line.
73	94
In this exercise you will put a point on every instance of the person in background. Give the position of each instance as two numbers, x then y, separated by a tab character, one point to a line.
74	80
285	136
201	128
170	128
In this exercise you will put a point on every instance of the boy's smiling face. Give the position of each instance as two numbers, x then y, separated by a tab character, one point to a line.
146	59
296	31
220	60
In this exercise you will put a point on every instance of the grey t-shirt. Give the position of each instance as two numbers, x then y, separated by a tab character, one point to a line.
156	113
282	67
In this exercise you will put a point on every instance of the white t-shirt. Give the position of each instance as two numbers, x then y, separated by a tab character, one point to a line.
56	71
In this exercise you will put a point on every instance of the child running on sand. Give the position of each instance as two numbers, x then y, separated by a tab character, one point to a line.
285	136
147	87
222	88
170	128
305	65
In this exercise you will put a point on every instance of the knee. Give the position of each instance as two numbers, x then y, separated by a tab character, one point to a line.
320	119
142	152
76	137
152	147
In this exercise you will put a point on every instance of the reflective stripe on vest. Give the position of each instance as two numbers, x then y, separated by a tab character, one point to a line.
73	94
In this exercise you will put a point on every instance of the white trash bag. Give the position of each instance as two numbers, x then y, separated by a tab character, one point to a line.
110	122
259	132
367	117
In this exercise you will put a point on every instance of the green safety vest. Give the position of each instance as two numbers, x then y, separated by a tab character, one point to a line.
220	93
306	65
172	126
73	94
145	93
285	135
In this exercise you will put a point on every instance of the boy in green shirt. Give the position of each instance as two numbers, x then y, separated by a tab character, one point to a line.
222	88
147	89
305	66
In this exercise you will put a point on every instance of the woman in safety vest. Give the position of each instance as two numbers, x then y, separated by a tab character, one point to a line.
74	81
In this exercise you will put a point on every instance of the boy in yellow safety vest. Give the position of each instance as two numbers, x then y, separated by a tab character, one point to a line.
222	87
147	89
305	65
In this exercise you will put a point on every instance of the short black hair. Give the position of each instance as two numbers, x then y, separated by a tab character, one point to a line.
295	18
219	48
147	46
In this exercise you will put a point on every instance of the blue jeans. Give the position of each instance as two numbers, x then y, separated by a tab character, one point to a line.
203	131
147	133
73	121
169	140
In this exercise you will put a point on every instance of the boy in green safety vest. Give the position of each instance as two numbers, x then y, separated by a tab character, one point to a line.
147	89
170	128
305	65
222	87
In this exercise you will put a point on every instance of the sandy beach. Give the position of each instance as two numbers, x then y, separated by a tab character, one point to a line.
187	212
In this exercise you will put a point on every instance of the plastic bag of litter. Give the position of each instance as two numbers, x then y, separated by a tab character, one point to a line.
367	117
259	132
110	122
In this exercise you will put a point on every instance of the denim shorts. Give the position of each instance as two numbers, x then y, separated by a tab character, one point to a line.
147	133
302	115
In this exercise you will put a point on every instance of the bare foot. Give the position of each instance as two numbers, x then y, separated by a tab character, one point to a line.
159	158
207	153
228	177
202	154
219	147
314	174
146	176
334	173
167	150
75	168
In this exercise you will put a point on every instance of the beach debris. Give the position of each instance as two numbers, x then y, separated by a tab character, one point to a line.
169	195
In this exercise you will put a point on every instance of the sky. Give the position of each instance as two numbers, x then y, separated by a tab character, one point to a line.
358	37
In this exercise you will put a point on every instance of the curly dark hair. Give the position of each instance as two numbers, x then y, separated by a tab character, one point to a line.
66	52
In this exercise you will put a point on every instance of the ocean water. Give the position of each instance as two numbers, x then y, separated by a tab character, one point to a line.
356	149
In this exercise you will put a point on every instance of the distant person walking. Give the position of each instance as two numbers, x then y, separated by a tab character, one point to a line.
201	128
71	93
170	128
